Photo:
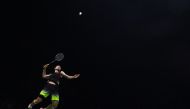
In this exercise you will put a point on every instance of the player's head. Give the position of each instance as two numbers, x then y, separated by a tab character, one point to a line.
57	68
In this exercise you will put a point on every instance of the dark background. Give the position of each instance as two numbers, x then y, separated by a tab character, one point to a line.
131	54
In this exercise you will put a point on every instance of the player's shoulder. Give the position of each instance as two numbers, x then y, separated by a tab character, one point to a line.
62	72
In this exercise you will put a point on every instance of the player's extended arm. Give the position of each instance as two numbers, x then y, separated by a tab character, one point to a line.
44	75
68	76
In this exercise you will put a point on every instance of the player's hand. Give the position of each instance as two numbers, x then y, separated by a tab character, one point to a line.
76	75
45	66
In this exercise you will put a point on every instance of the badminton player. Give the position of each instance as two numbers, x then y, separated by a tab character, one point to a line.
51	87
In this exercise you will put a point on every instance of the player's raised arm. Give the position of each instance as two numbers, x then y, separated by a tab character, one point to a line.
44	74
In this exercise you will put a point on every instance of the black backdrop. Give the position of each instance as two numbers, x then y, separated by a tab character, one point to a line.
130	54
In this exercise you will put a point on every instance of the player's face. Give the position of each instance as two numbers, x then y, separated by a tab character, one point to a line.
57	69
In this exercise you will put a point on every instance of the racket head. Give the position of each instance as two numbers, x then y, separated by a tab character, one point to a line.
59	56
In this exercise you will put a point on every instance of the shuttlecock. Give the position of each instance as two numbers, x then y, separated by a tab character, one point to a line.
80	13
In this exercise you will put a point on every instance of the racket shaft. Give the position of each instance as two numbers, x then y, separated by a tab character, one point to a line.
52	61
